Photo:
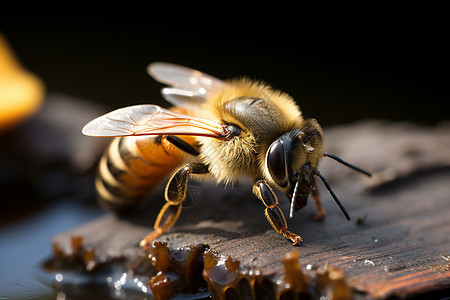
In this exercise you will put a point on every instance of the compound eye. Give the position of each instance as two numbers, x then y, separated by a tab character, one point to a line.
276	163
234	129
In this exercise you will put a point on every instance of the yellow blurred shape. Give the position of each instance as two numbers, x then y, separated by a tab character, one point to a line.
21	92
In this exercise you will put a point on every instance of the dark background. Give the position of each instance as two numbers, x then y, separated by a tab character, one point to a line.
339	72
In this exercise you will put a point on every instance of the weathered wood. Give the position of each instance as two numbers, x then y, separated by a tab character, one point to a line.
397	244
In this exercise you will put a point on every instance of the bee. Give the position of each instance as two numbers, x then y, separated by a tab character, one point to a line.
221	130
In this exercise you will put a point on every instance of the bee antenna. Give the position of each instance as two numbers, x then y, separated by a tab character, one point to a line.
338	159
338	202
294	199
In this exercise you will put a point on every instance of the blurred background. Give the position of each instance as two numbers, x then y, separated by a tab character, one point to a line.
395	70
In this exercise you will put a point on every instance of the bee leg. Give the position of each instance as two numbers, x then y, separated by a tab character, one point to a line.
182	145
175	194
272	212
318	203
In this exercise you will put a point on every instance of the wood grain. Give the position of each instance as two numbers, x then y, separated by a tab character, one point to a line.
396	245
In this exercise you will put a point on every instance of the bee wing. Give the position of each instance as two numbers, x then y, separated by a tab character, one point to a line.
188	87
183	77
188	99
152	120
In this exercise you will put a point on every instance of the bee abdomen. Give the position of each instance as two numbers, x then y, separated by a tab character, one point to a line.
125	178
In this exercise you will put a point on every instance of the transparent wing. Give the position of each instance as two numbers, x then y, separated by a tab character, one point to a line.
188	87
189	99
183	77
152	120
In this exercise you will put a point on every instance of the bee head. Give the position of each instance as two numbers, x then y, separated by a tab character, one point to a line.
292	160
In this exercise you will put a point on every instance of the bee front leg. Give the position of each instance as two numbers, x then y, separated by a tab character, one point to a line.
318	203
175	194
272	212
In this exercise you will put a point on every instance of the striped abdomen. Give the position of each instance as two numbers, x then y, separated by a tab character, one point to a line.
132	167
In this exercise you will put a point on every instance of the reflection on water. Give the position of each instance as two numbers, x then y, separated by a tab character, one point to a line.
109	283
24	244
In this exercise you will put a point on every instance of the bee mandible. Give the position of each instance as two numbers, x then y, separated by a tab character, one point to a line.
222	130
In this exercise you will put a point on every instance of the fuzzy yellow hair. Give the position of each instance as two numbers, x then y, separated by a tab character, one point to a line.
252	89
248	154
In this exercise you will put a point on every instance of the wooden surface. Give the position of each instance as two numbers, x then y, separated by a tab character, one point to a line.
396	245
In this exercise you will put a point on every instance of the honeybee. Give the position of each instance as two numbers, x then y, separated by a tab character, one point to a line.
222	130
